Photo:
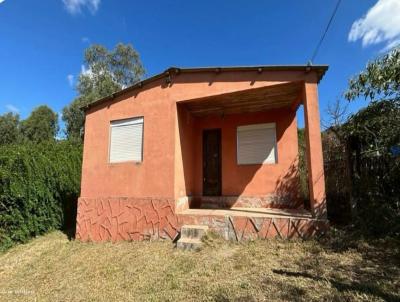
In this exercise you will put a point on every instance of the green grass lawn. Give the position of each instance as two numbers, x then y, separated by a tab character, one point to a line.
52	268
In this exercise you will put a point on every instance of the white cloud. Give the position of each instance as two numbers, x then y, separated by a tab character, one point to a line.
11	107
76	6
70	79
381	24
392	44
85	40
1	1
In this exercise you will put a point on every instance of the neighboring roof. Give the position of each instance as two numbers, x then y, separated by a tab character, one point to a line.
320	69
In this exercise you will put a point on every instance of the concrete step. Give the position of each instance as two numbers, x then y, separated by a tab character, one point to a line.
191	237
189	244
193	231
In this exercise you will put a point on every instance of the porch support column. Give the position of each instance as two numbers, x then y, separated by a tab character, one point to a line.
315	164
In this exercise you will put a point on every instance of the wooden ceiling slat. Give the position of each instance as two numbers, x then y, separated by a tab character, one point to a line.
239	105
236	101
252	100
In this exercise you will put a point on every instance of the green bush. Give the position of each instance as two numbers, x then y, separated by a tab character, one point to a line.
362	170
39	187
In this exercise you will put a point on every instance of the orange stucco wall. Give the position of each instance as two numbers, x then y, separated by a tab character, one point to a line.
154	177
248	180
172	157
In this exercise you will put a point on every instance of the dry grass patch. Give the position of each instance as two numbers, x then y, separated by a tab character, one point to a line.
52	268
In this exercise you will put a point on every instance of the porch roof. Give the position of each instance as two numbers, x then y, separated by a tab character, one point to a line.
248	100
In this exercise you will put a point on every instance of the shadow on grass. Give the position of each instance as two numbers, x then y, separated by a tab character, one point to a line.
70	232
69	208
362	287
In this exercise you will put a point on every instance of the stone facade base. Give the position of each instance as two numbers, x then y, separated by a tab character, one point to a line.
114	219
239	228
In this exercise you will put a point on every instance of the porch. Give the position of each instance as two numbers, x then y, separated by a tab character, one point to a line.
262	198
240	224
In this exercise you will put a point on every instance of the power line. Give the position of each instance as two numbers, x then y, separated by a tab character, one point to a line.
326	30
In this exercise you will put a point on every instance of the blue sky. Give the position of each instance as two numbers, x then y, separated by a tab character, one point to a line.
42	42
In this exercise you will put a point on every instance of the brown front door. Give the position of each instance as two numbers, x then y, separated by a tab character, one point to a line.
212	162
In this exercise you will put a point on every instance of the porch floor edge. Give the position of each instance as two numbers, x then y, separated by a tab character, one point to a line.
250	212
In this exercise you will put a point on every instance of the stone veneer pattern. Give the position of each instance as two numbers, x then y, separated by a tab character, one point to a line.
104	219
115	219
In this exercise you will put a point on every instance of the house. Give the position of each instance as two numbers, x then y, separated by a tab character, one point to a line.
209	146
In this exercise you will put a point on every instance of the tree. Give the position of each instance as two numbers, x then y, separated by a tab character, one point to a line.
105	72
367	144
380	80
377	126
337	113
41	125
9	128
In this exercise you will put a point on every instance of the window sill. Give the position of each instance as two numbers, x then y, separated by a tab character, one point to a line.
258	164
125	162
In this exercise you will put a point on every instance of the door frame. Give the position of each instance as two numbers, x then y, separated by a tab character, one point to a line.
204	162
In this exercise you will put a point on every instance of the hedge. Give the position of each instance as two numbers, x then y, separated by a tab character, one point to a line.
39	187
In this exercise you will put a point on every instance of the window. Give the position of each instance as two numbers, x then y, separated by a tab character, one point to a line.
126	140
256	144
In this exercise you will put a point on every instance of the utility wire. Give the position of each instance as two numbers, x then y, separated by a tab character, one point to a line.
326	30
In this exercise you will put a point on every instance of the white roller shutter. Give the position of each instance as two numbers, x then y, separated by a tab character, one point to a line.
256	144
126	141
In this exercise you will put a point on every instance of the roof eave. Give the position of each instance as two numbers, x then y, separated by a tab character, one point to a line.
320	69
